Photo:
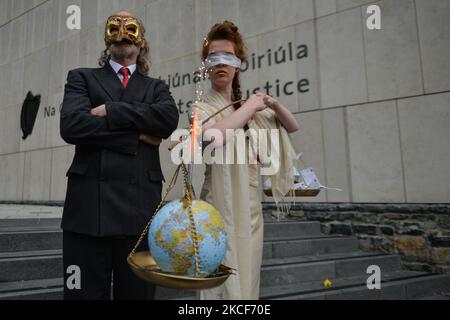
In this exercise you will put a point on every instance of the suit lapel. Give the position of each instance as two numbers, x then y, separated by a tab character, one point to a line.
136	89
110	82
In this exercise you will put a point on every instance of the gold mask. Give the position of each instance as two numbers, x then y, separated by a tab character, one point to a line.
120	28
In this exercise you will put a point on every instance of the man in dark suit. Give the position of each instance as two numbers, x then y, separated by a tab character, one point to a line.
116	116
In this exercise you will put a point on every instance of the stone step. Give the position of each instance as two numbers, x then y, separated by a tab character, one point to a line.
38	264
309	246
37	241
7	225
297	272
168	293
28	254
317	288
30	285
46	237
30	265
52	289
400	286
320	258
442	296
38	294
273	230
396	285
45	289
30	240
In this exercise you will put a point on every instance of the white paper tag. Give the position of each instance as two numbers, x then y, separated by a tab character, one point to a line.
310	178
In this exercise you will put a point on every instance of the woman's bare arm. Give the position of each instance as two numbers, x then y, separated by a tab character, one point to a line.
238	119
286	117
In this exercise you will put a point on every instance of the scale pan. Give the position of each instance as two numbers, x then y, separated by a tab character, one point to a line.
144	266
296	192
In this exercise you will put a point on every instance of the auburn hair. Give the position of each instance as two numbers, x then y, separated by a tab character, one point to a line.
227	30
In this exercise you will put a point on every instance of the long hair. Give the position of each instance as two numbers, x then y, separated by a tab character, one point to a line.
143	62
227	30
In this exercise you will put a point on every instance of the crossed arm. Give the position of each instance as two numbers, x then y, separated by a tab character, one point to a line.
101	111
117	125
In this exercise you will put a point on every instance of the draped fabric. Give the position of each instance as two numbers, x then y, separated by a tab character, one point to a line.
233	190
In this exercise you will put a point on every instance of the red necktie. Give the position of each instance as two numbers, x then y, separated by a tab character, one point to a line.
125	73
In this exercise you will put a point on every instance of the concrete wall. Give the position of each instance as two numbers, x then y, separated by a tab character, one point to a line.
374	105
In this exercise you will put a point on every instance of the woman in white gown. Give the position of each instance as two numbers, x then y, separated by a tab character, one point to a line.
233	188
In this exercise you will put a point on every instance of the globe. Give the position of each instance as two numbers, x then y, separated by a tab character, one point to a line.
171	244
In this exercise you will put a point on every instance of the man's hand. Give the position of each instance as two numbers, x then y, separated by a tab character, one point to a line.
99	111
148	139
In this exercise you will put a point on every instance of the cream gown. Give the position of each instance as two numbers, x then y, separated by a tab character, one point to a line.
245	247
233	190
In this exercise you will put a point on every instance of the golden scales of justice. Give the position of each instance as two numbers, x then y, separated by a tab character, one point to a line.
146	268
144	265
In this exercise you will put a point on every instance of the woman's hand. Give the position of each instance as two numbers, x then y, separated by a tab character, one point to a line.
286	118
270	102
256	102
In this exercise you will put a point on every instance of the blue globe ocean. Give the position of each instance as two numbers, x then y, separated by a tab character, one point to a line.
170	241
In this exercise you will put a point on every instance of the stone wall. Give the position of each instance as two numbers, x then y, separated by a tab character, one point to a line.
419	233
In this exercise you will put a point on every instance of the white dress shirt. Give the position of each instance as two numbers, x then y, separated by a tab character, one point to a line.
116	66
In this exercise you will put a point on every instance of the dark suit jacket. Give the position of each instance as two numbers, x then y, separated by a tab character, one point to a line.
115	181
